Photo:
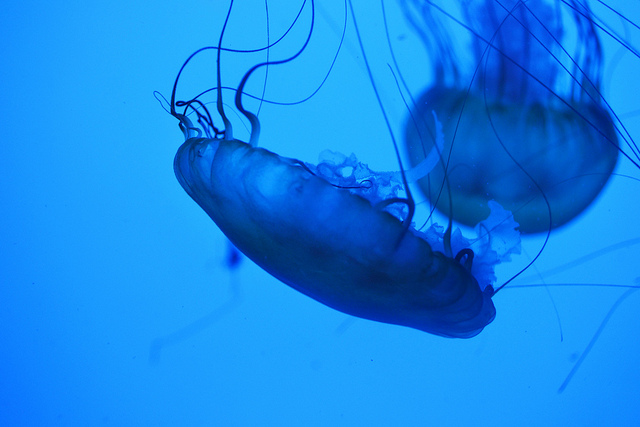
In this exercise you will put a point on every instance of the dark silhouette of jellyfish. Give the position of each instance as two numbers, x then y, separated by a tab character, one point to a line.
344	239
524	120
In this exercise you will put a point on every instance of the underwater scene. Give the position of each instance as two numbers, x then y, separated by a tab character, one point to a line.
306	212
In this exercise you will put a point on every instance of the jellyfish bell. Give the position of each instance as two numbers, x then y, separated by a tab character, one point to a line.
337	231
550	161
328	243
523	115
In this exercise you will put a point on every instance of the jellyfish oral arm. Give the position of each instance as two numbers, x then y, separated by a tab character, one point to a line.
328	243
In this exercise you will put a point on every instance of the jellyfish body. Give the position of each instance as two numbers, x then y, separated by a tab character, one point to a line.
328	243
524	121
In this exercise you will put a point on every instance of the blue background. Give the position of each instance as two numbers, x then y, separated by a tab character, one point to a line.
102	252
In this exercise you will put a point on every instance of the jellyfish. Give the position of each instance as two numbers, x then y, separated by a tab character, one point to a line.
524	119
336	231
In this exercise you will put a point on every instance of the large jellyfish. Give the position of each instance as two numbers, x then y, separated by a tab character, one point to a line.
524	119
336	231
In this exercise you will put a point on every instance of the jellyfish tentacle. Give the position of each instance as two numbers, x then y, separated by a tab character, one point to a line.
595	338
228	129
185	126
253	119
467	254
410	202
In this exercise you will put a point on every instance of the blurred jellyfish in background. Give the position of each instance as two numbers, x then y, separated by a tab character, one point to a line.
519	95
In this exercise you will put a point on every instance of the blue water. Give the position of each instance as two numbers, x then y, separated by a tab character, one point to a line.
102	253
